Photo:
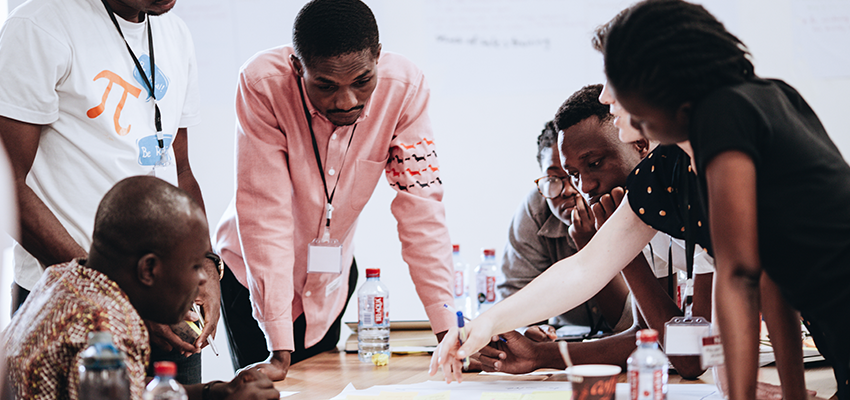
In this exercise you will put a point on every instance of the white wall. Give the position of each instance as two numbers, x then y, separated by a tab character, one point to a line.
488	102
498	69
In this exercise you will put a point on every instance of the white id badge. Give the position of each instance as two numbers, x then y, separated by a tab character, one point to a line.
683	335
712	351
324	256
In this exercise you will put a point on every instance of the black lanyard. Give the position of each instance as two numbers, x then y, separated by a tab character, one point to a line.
685	177
329	197
150	83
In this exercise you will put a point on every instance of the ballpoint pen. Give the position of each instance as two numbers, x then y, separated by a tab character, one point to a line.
462	333
452	309
197	310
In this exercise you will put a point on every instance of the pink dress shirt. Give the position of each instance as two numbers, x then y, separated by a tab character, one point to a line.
279	206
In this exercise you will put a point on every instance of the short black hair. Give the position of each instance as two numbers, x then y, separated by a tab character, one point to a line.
580	106
669	52
546	140
330	28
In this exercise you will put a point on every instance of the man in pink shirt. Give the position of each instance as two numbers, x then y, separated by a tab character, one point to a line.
318	124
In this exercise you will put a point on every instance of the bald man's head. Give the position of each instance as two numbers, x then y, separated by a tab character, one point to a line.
143	214
151	238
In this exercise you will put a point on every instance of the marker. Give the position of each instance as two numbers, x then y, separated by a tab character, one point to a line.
462	333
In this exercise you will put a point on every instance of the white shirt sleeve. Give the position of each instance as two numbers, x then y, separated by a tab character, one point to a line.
33	63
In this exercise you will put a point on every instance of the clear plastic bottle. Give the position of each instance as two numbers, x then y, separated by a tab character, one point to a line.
647	368
163	386
485	280
373	327
103	373
461	288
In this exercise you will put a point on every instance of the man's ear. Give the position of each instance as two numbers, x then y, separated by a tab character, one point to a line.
378	54
297	65
147	268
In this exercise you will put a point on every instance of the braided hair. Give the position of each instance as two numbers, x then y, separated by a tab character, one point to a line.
330	28
546	140
670	52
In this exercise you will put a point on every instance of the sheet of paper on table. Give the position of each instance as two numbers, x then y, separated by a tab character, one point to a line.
505	390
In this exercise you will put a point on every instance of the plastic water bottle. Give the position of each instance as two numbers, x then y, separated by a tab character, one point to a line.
373	327
461	289
103	373
485	280
163	386
647	368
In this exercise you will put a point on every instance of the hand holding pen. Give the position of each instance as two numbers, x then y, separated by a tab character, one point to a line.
462	337
197	309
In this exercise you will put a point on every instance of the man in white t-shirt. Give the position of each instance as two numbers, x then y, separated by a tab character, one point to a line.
77	116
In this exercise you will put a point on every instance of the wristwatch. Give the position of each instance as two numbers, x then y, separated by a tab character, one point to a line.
219	265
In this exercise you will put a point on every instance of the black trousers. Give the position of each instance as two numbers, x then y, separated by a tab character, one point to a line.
830	336
246	339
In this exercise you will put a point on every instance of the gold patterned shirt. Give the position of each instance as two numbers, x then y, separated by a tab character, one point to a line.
46	336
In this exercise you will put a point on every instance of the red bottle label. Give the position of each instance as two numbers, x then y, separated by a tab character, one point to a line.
491	288
379	310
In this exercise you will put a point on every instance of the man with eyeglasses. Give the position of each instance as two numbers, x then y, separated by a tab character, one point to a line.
540	235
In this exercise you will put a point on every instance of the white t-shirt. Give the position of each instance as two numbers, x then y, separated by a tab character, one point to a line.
657	259
64	65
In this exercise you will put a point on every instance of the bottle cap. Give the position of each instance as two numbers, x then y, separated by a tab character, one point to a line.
373	272
489	252
165	368
455	248
647	336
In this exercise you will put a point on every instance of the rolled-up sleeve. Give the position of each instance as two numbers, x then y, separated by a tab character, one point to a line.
413	171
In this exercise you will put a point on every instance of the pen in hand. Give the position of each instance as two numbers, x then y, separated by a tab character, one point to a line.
201	322
452	309
462	333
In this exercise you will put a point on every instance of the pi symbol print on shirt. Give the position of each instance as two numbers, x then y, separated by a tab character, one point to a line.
150	154
113	79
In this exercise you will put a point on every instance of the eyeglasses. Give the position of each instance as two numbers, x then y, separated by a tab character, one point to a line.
551	187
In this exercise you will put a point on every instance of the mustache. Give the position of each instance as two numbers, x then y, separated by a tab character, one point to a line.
338	111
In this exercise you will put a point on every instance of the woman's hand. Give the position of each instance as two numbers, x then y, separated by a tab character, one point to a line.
449	354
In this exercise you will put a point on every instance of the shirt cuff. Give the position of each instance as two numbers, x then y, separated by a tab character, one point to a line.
278	335
441	318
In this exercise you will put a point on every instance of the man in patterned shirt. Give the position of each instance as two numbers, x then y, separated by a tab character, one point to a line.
146	261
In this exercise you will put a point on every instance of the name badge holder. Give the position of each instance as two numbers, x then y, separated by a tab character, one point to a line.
683	335
324	254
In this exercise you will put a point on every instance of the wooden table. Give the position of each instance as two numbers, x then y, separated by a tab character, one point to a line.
326	375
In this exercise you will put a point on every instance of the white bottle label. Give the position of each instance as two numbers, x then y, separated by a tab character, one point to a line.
646	386
459	283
